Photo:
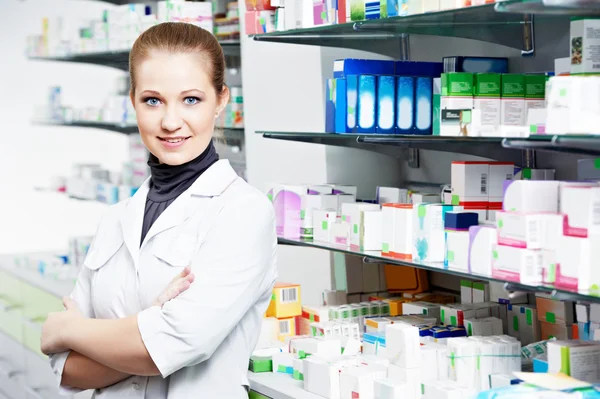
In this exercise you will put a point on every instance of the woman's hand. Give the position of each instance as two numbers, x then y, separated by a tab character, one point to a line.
57	323
179	284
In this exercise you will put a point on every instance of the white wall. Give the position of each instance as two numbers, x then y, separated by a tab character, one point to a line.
31	155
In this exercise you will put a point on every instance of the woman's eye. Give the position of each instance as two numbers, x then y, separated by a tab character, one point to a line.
152	101
191	100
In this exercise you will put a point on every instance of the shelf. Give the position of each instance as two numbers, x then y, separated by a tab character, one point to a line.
120	59
470	23
120	128
574	144
551	7
376	257
58	288
279	386
488	147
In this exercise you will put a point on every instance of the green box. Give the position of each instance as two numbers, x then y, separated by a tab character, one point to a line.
457	84
535	86
487	85
260	364
437	105
513	85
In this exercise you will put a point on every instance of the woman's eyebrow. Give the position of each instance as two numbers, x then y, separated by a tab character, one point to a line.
191	91
153	92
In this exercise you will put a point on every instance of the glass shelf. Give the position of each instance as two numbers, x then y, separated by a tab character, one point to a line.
469	22
376	257
574	144
120	128
120	59
488	147
229	133
551	7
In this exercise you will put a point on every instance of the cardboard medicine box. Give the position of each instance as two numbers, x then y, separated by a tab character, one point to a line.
285	301
513	100
487	90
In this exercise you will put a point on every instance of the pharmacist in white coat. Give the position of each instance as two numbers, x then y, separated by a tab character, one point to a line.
193	211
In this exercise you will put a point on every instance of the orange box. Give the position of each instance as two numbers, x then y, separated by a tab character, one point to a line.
555	312
557	331
406	279
285	301
396	305
287	327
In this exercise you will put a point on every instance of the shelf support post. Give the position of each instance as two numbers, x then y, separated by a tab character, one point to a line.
413	153
528	36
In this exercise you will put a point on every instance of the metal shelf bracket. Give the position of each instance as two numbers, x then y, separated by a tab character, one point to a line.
528	36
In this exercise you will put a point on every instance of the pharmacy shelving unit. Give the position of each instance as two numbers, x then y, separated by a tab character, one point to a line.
509	23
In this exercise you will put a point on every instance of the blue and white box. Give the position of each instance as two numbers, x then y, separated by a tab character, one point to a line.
386	104
354	66
373	9
351	103
330	105
340	106
367	103
405	104
424	105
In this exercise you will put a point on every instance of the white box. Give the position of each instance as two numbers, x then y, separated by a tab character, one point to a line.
359	381
403	345
420	198
527	230
595	312
322	221
283	363
344	189
517	264
391	389
392	195
466	291
481	291
320	189
340	233
308	204
498	173
582	310
580	360
528	196
513	111
370	231
403	232
470	181
576	263
410	376
585	40
351	215
429	239
581	206
322	377
481	242
457	250
387	229
422	308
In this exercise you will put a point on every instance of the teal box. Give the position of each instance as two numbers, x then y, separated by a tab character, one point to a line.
386	104
330	106
423	105
367	103
351	103
340	106
405	104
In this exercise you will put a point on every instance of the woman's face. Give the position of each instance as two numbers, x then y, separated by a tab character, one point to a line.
176	105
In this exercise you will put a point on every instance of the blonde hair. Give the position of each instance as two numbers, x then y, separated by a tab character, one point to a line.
179	37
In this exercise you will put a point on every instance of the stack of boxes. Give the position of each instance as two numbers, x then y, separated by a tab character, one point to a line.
233	114
286	307
488	104
260	16
376	96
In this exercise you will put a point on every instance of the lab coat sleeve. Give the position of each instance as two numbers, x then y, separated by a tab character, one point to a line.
234	267
81	296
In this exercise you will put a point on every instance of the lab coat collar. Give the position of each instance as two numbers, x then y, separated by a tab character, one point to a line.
213	182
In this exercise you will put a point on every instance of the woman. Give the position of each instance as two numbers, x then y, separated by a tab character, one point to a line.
194	210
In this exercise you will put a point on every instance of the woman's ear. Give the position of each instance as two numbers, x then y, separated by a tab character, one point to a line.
223	99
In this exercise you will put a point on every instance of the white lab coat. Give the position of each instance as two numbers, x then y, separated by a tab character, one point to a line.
200	341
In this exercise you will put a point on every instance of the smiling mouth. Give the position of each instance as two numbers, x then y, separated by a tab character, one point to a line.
173	140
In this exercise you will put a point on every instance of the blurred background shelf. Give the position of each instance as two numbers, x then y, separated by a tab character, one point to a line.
551	7
120	59
376	257
120	128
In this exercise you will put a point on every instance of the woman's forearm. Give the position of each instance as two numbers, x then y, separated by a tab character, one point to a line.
115	343
84	373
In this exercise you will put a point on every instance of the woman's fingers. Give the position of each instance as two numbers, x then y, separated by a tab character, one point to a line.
178	285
